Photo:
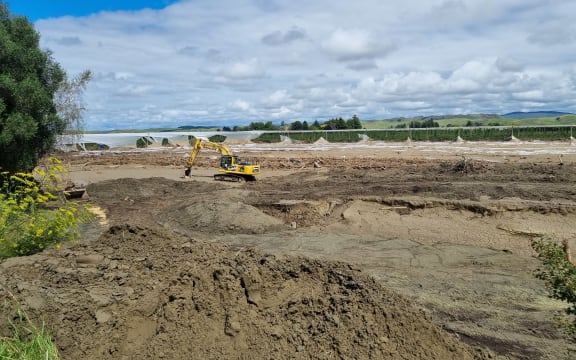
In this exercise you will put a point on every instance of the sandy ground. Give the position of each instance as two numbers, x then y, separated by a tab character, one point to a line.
445	226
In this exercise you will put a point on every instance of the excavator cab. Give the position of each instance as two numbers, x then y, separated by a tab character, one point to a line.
237	170
228	162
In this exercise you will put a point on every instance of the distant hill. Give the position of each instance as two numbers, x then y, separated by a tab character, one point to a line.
534	114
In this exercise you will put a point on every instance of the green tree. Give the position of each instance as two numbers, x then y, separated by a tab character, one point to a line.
29	79
296	125
340	124
354	123
262	126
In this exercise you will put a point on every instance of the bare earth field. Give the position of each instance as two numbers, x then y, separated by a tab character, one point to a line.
367	251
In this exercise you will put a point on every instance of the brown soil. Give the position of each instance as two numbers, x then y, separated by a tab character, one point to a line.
374	254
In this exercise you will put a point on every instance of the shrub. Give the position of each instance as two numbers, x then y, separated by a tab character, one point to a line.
32	218
560	276
217	138
143	142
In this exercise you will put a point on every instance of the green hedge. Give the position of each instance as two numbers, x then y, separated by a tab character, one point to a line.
330	136
544	133
268	138
389	135
473	134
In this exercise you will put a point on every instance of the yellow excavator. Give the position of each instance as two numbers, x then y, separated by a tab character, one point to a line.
231	167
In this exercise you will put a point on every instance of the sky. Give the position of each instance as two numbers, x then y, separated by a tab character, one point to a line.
160	63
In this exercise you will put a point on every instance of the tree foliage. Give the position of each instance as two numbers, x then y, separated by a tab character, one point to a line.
560	276
426	123
254	126
29	80
341	124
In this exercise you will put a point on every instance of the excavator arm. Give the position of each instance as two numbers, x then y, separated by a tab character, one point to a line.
200	144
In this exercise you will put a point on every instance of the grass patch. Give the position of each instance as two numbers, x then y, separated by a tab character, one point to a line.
27	341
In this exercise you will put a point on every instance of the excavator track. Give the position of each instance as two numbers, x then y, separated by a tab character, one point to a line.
234	177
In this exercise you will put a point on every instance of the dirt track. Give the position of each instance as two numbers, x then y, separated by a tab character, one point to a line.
449	231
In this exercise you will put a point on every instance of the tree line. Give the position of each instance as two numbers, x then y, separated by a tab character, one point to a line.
331	124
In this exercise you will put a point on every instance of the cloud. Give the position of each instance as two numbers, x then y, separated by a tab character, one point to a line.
69	41
278	97
240	105
235	61
237	70
355	44
529	95
553	34
134	90
189	50
179	114
509	65
277	38
362	65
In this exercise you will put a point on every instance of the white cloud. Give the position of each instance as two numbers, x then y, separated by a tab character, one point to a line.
411	105
178	114
355	44
239	70
530	95
240	105
122	75
230	62
134	90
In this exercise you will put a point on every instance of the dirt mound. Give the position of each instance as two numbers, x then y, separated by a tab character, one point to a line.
140	189
218	216
140	293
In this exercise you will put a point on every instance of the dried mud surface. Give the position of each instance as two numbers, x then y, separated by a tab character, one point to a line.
366	255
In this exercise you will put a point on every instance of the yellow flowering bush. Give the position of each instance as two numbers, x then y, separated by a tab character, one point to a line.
32	218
